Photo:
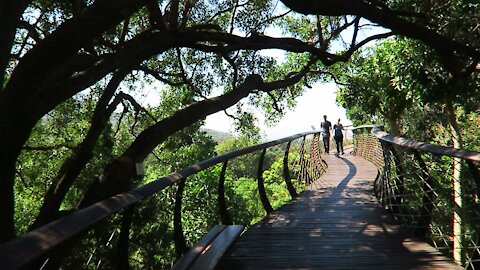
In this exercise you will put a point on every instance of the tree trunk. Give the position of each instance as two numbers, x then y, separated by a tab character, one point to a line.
394	126
457	141
15	129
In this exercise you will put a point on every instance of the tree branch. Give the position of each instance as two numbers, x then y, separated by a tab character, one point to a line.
118	174
275	102
75	163
47	148
157	76
445	47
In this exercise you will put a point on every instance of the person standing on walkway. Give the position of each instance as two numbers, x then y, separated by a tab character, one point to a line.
326	127
338	136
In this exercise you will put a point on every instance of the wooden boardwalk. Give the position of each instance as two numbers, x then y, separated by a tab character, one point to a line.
335	224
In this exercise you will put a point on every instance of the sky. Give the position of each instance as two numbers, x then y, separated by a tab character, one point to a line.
311	106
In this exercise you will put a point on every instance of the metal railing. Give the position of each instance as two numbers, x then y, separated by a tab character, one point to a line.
432	189
132	227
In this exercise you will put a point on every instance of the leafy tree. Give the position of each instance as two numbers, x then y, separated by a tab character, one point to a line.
64	49
372	85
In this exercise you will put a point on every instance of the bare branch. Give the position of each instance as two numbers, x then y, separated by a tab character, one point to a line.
123	34
186	10
47	147
336	32
231	115
367	40
232	19
235	69
271	19
220	12
157	76
355	32
330	74
22	179
135	104
120	119
32	31
321	40
275	102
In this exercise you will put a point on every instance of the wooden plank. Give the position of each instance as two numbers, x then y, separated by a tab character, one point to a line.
336	223
212	253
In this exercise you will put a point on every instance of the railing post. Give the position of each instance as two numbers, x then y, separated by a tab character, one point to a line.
261	186
178	237
458	237
123	241
355	143
428	196
222	205
286	173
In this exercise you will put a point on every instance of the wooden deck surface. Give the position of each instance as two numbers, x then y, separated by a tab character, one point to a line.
335	224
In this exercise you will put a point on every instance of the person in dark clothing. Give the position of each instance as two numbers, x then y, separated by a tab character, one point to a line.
338	136
325	127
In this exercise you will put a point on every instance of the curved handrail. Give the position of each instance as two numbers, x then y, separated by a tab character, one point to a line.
363	126
24	249
412	184
427	147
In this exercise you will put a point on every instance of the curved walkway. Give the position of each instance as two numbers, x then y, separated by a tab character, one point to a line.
335	224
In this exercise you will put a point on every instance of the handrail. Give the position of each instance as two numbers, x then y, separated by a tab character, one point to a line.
26	248
434	196
363	126
427	147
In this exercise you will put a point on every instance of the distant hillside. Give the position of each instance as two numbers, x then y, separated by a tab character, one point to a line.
217	136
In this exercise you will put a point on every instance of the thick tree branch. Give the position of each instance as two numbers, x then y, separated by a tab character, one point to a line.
149	44
67	40
118	174
156	18
10	14
74	164
173	14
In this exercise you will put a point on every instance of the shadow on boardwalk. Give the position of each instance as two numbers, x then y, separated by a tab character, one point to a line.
335	224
